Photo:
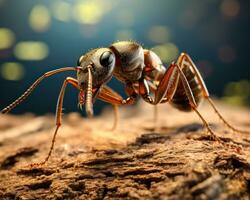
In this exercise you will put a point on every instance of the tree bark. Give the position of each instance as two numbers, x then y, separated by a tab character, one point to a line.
172	159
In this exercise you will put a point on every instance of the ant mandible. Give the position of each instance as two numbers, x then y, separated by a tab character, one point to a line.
143	74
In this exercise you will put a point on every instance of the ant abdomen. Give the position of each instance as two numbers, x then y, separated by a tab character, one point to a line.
180	99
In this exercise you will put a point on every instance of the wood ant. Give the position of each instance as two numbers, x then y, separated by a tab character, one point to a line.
143	74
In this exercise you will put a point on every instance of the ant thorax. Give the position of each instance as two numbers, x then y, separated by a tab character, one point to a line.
129	61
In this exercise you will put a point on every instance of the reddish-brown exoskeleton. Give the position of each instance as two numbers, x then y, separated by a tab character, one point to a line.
143	74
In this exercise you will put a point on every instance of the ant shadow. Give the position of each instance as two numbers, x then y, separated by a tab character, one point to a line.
161	134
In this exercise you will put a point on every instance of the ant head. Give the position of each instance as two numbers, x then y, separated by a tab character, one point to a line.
101	63
94	69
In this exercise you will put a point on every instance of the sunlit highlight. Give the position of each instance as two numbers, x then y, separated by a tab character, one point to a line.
12	71
39	18
30	50
7	38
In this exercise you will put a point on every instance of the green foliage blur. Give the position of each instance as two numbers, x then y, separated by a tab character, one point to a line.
237	93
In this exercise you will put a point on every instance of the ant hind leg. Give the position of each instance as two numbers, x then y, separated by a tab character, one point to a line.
213	136
222	118
185	59
193	104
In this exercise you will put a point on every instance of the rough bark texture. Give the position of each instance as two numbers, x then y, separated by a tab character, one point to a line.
176	161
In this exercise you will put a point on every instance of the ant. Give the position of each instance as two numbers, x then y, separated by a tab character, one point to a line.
143	74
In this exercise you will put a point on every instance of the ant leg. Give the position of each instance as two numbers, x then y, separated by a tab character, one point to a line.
222	118
192	101
59	106
155	115
167	88
185	59
155	118
110	96
167	85
144	90
33	86
116	117
107	93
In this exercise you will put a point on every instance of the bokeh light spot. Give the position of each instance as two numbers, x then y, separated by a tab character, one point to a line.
125	18
12	71
1	2
205	67
61	11
7	38
230	8
159	34
39	18
31	50
125	34
226	54
88	12
167	52
191	15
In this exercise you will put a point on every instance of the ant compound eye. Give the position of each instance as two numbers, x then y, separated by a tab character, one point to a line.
107	59
78	62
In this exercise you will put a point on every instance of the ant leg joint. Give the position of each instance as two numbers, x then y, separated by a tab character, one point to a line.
148	98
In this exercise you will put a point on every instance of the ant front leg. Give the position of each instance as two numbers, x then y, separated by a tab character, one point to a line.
144	90
185	59
59	106
108	95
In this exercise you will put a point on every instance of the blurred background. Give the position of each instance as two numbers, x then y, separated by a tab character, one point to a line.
41	35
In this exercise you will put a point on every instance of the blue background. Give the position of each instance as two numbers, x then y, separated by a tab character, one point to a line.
199	28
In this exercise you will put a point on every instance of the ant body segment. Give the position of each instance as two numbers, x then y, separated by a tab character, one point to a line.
143	74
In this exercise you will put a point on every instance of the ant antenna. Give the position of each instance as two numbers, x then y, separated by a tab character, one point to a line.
89	105
34	85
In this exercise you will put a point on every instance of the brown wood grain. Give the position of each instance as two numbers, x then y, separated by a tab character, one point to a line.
177	160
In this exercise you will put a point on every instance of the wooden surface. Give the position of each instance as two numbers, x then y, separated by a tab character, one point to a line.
176	161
